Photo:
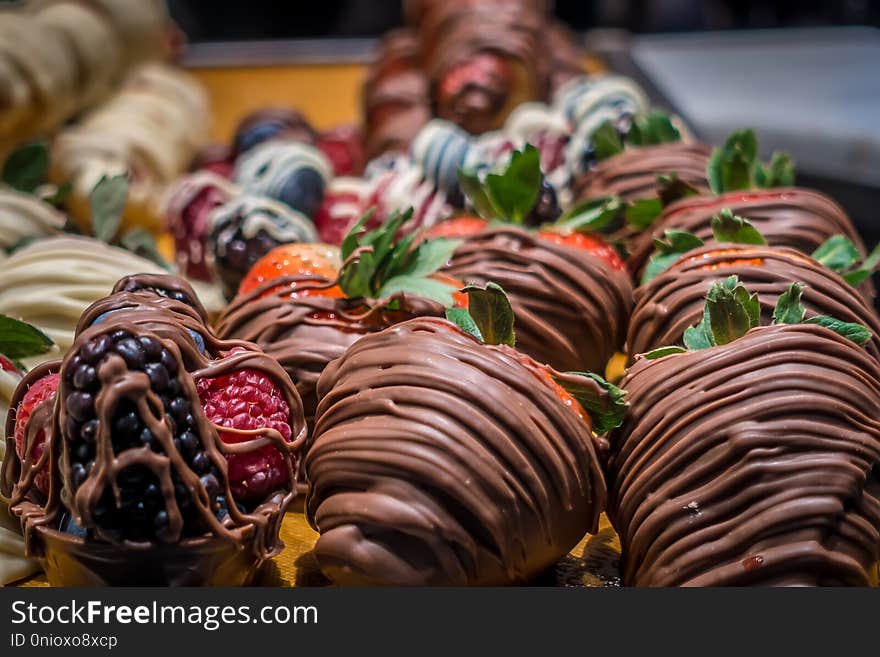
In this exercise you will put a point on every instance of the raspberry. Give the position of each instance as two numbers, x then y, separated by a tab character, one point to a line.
248	399
139	514
40	391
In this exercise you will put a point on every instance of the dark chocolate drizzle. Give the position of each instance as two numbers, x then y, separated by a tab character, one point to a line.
441	461
674	299
143	313
306	332
571	307
753	463
788	216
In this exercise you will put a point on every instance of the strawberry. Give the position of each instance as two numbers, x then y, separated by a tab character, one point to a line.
238	403
591	243
344	149
42	390
455	227
7	365
300	259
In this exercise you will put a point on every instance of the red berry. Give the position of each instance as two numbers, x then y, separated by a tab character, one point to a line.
247	400
7	365
593	244
39	392
462	226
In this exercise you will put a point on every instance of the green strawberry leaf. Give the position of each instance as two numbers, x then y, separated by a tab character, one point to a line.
142	242
473	189
778	173
20	340
732	310
108	202
424	287
26	168
678	242
603	401
431	255
492	313
643	212
854	278
462	318
515	191
661	352
592	216
837	253
855	332
671	188
653	129
728	227
730	166
59	197
789	309
606	141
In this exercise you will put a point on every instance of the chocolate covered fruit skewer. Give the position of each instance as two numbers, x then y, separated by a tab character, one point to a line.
441	458
753	457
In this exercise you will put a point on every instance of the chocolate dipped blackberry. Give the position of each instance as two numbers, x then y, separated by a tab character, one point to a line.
754	458
673	300
304	315
440	460
154	473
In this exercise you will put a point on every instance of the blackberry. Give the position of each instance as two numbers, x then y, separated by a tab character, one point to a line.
141	514
546	208
133	284
234	255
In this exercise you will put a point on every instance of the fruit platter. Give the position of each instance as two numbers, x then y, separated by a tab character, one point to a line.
509	324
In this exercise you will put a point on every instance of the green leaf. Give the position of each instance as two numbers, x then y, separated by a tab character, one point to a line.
473	189
728	227
492	313
778	173
593	216
424	287
642	213
732	310
431	255
837	253
142	242
350	241
855	332
21	340
108	202
355	277
462	318
730	167
663	351
26	168
671	188
699	336
789	309
603	401
854	278
515	191
606	141
678	242
654	128
59	197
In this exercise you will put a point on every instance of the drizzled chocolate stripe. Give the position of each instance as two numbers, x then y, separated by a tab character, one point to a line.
441	461
787	216
753	463
571	307
305	333
674	299
633	174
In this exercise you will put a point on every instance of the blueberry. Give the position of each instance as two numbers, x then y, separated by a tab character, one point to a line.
258	134
546	209
100	318
198	339
303	190
68	526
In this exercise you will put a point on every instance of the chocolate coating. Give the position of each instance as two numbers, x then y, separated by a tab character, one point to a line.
789	216
571	307
674	300
632	174
752	463
206	544
441	461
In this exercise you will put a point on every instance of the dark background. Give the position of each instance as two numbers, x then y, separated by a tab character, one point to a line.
222	20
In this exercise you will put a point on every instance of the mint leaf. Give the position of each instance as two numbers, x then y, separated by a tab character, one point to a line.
142	242
515	191
851	331
603	401
606	141
492	313
21	340
727	227
661	352
732	310
594	215
424	287
26	168
641	213
730	166
837	253
789	309
462	318
108	202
